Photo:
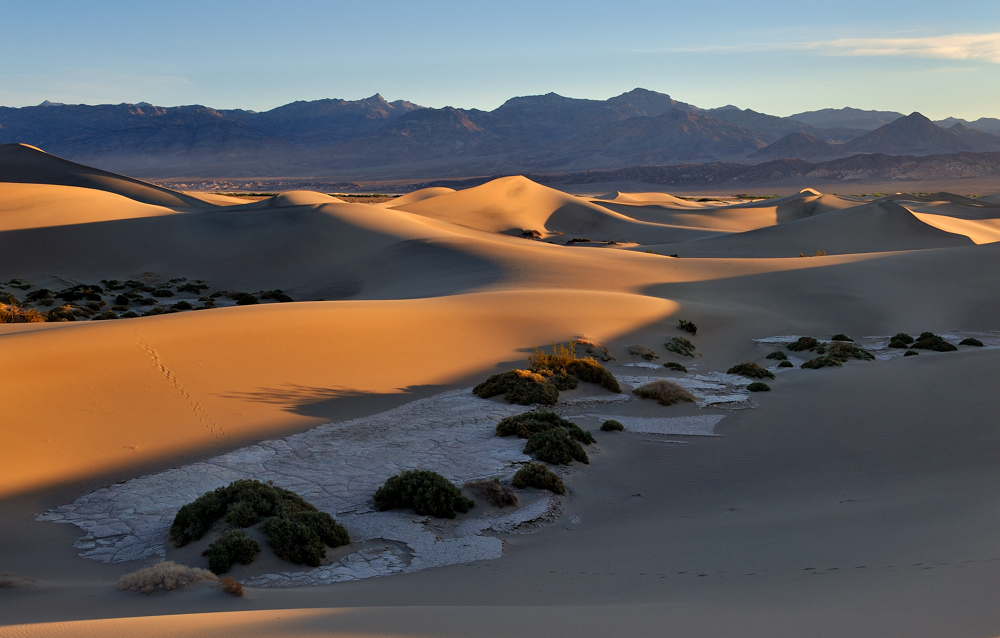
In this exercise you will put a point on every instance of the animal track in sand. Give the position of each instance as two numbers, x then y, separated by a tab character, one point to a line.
199	412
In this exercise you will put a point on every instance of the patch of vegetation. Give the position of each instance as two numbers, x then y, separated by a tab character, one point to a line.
579	240
561	380
777	354
803	343
681	346
539	477
183	305
844	351
664	391
104	316
840	336
673	365
644	352
232	547
757	386
903	337
822	362
687	326
163	292
62	313
232	586
518	386
564	362
931	341
895	343
530	423
301	537
818	253
971	341
752	370
786	364
277	295
194	287
493	491
910	353
556	447
166	575
17	314
592	372
612	426
426	493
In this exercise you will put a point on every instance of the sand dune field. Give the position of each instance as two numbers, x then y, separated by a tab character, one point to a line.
324	344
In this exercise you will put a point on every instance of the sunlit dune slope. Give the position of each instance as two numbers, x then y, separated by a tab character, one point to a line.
416	196
28	165
88	397
43	205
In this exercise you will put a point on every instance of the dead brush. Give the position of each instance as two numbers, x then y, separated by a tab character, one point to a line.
167	575
664	391
492	490
10	313
232	586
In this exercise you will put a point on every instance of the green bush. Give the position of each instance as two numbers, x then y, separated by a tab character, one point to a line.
529	423
903	337
822	362
612	426
644	352
163	292
752	370
844	351
591	371
931	341
687	326
294	541
232	547
561	380
182	305
664	391
62	313
425	492
840	336
910	353
971	341
556	447
896	343
539	477
786	364
519	386
757	386
803	343
777	354
277	295
681	346
673	365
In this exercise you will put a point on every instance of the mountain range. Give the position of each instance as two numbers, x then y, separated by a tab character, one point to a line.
377	139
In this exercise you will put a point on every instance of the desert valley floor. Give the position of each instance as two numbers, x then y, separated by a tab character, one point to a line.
850	500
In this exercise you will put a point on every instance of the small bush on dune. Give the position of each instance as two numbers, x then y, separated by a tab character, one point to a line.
556	447
681	346
563	361
895	343
644	352
294	541
493	491
672	365
687	326
902	337
277	295
231	586
163	292
612	426
664	391
183	305
518	386
786	364
592	372
752	370
561	380
167	575
803	343
840	337
16	314
539	477
931	341
426	493
232	547
910	353
757	386
529	423
843	350
971	341
777	354
822	362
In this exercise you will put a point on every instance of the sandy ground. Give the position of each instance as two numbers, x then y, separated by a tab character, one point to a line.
850	501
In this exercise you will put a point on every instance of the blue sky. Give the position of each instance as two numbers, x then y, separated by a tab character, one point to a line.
774	56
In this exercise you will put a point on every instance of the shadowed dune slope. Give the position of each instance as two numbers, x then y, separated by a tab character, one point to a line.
877	227
25	164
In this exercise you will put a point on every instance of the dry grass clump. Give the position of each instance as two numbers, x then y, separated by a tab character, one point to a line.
10	580
539	477
644	352
167	575
971	341
664	391
931	341
232	586
10	313
752	370
681	346
687	326
425	492
612	426
845	351
673	365
590	346
519	386
822	362
563	363
804	343
493	491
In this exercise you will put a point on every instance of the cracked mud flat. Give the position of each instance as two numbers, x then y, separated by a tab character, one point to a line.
336	467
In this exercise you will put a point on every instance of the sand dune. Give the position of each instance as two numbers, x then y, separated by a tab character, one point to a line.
981	231
25	206
417	196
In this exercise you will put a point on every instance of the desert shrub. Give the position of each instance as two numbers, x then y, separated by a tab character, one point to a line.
681	346
163	292
931	341
664	391
673	365
493	491
10	580
16	314
840	336
592	372
147	301
95	305
122	300
539	477
130	315
9	299
81	291
822	362
38	295
242	514
232	586
62	313
564	362
518	386
786	364
232	547
555	446
529	423
803	343
903	337
194	288
757	386
182	305
644	352
752	370
896	343
294	541
118	308
425	492
971	341
277	295
612	426
107	314
687	326
561	380
910	353
167	575
244	298
843	350
777	354
579	240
